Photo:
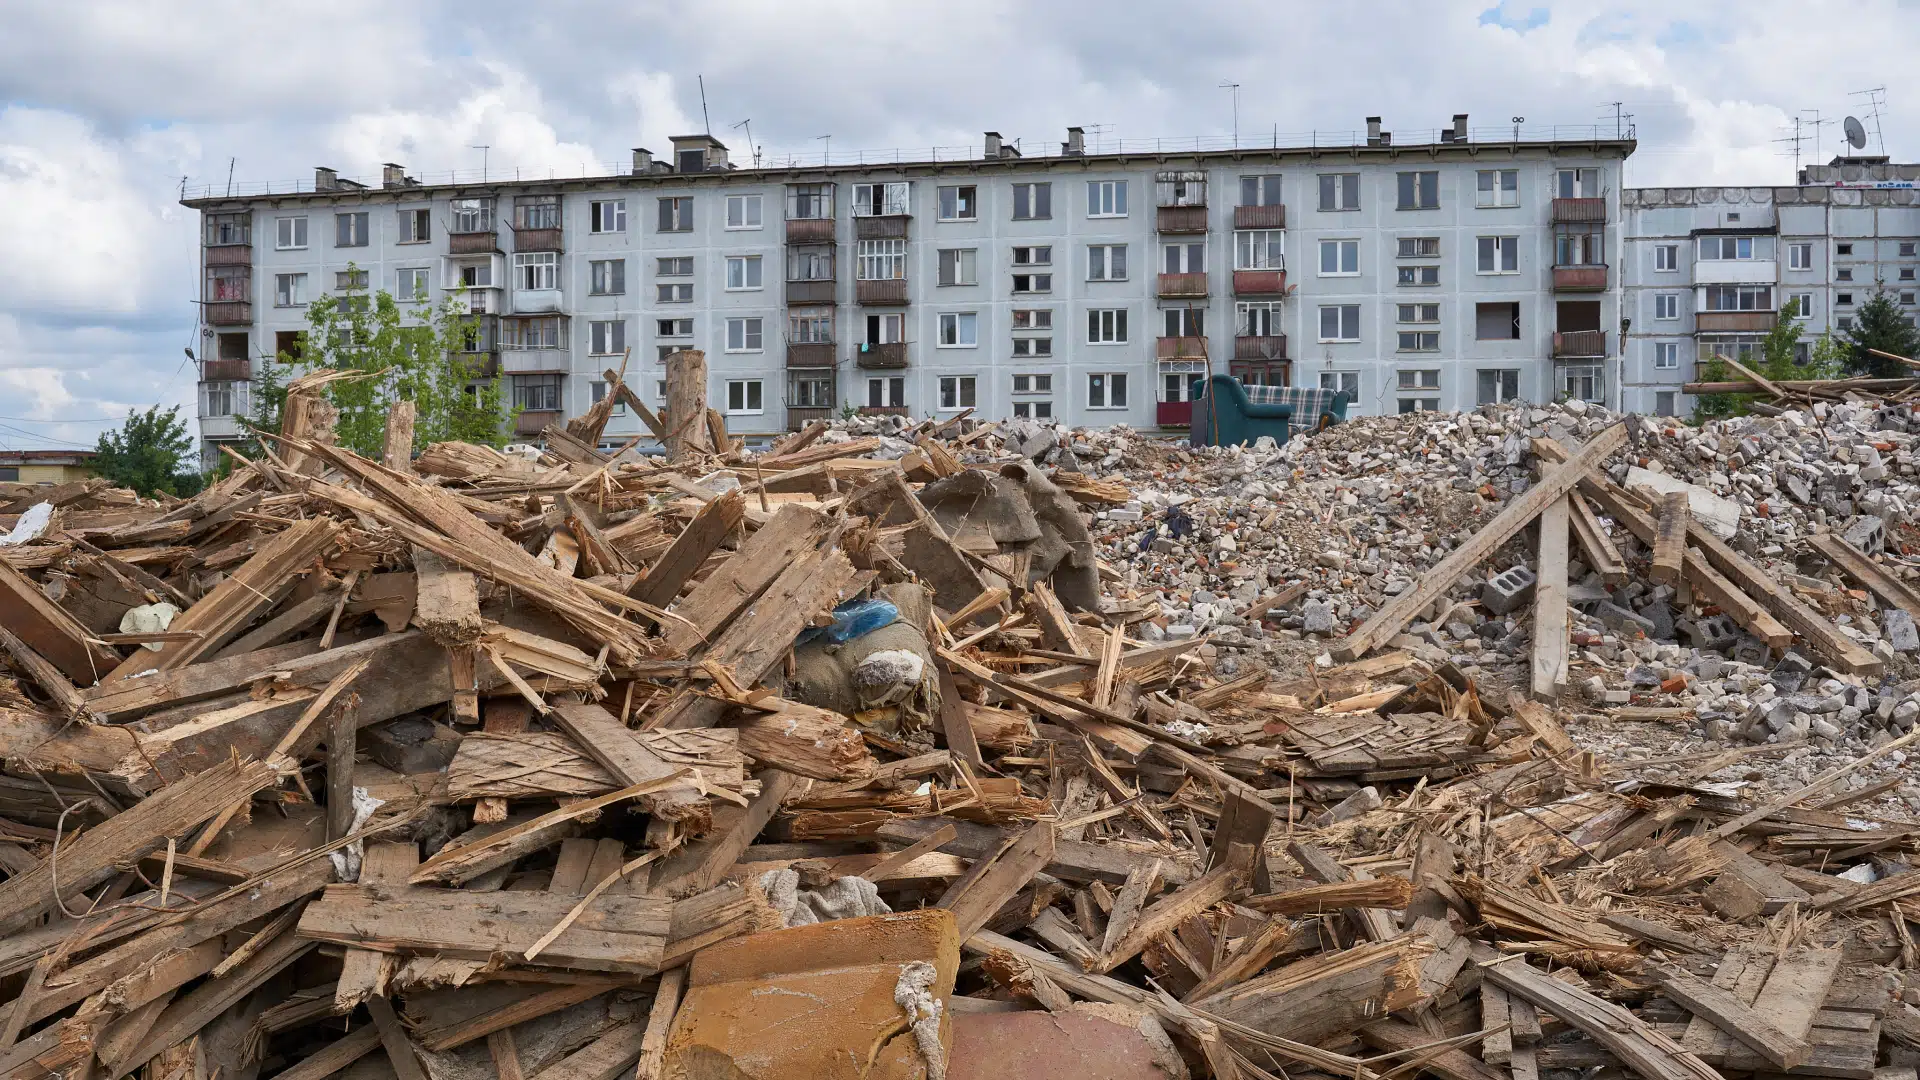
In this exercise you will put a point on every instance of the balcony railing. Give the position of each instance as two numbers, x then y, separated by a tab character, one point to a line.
1259	283
1181	219
810	292
1580	278
1579	343
1734	322
538	240
535	421
887	227
1173	413
226	370
1175	286
1572	211
473	243
1260	347
885	410
811	354
809	230
230	255
1262	372
798	418
229	313
1175	348
891	355
1260	217
889	291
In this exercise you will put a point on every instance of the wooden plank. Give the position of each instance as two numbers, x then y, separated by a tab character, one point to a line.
1670	536
393	1038
447	601
1438	581
616	934
686	412
397	451
975	898
716	520
1324	868
1602	555
334	1056
1741	972
1550	603
47	629
1888	589
1191	899
761	637
66	698
1540	721
608	1057
704	863
1733	1016
363	972
1496	1019
458	865
1413	1044
740	580
1646	1051
196	1009
618	750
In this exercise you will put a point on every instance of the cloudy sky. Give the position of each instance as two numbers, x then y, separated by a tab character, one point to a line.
107	106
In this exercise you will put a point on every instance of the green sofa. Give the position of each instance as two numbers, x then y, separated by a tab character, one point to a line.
1226	413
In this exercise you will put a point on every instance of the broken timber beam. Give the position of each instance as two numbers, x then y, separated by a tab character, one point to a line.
1670	537
1889	589
1602	555
1550	602
1644	1049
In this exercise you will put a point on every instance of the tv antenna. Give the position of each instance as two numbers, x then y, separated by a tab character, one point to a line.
704	119
748	124
1097	130
1797	138
1229	84
483	148
1616	106
826	153
1876	98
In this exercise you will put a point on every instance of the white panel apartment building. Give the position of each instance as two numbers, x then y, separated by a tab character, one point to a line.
1086	287
1707	270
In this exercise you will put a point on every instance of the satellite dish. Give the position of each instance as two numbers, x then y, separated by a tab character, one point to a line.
1856	135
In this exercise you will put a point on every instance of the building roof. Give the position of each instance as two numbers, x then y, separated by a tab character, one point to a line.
47	457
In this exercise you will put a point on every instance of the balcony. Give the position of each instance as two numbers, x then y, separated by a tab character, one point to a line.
221	427
1262	372
810	230
892	291
877	357
1259	283
226	370
1579	343
885	410
814	354
1260	217
1175	414
229	313
230	255
1181	219
799	418
1736	272
538	240
481	365
881	227
1260	347
1579	211
1181	286
535	421
810	292
1180	348
1734	322
1580	278
473	243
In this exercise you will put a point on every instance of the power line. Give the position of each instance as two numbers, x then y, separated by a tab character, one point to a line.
69	420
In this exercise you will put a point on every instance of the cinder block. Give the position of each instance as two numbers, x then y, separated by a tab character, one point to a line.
1507	590
1713	633
1866	534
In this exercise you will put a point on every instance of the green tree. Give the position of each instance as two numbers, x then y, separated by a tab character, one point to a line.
148	453
416	351
1879	325
1778	359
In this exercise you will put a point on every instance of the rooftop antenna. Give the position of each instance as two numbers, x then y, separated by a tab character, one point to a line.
1876	97
1796	139
704	119
483	148
826	154
748	124
1097	130
1517	121
1616	115
230	162
1229	84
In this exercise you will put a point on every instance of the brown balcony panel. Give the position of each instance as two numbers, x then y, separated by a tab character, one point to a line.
1571	211
799	418
472	243
886	227
1579	278
1182	285
1739	322
885	410
1580	343
230	313
810	292
1259	283
537	240
230	255
1260	217
1265	372
227	370
1181	219
535	421
882	356
1171	348
893	291
809	230
1173	413
811	354
1260	348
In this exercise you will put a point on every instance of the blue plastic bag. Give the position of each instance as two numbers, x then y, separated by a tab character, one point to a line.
855	618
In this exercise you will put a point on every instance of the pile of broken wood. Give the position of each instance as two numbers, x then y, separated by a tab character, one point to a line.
465	765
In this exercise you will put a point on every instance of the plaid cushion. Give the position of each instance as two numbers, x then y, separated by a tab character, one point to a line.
1306	401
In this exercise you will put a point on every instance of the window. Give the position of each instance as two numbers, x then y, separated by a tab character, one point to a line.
1906	298
1032	283
1802	305
958	202
1258	318
536	212
289	290
216	399
1107	390
1345	382
288	345
1033	256
1339	258
809	391
1666	257
536	270
1666	354
1106	262
1032	202
1419	190
350	279
410	284
1496	322
1419	247
957	266
1033	318
1666	305
597	389
886	329
356	305
1499	254
537	393
1260	249
887	392
1106	198
1496	385
1033	410
290	233
536	333
1185	322
472	215
1577	183
1845	273
957	330
1663	403
1034	346
1033	384
743	397
1260	190
814	263
1417	275
673	327
1844	299
1497	187
881	260
1189	257
607	277
1418	379
1843	249
1584	382
956	391
744	335
1906	273
477	275
1908	248
608	338
1739	298
1417	313
1719	248
609	216
675	267
350	230
1340	322
1578	248
1339	191
676	214
1844	322
1419	404
808	326
673	294
1107	326
878	200
743	271
1799	256
1419	341
743	211
809	202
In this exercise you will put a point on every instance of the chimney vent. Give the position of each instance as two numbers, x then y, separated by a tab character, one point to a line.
642	161
992	148
1373	131
325	179
393	176
1076	144
1460	127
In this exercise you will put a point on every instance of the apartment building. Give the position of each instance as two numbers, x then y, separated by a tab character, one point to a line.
1708	270
1087	287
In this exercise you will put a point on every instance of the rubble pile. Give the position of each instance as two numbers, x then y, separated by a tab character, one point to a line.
946	750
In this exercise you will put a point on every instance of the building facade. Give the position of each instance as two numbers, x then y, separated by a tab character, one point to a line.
1707	271
45	468
1083	287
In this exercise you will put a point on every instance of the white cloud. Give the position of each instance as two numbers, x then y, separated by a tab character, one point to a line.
508	115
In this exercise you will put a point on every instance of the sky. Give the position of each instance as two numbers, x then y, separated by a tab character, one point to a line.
107	107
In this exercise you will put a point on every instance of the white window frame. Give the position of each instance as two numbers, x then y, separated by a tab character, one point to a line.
673	292
873	256
1106	198
745	273
1417	247
1029	347
607	337
1037	382
746	334
892	391
1105	264
896	199
964	264
1033	190
1340	321
673	328
289	290
1033	255
1417	314
1666	258
1504	248
359	231
1338	381
1417	341
1037	409
1033	318
1800	256
750	394
536	271
966	202
1496	189
1272	314
1417	276
1341	248
1416	379
1105	386
1666	306
1032	284
958	392
1500	395
958	330
290	233
421	289
607	216
603	279
1107	326
1666	355
744	212
1260	249
1340	190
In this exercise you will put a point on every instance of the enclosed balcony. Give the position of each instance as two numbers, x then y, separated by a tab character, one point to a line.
809	230
1260	217
230	255
1580	278
1573	211
886	410
229	313
1260	347
1572	344
814	354
798	417
535	421
226	370
1259	283
1178	348
881	227
1181	286
474	243
882	293
1181	219
1734	322
538	240
882	356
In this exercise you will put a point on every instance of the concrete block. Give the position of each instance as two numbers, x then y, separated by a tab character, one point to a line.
1713	633
1507	590
1791	673
1721	515
1900	631
1620	620
1866	534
